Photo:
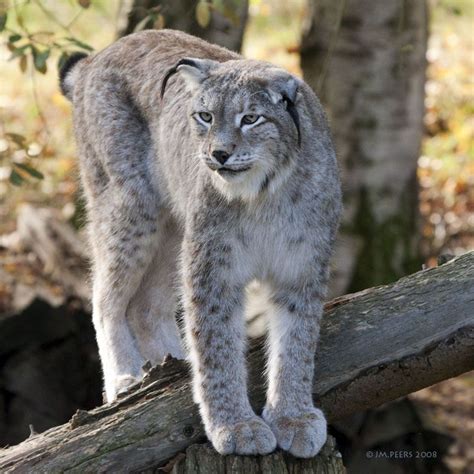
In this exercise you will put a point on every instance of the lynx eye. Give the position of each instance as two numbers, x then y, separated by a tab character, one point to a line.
249	119
205	117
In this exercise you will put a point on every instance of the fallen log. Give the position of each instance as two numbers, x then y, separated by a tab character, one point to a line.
376	346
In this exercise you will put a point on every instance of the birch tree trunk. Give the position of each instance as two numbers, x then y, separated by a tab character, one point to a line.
366	61
226	22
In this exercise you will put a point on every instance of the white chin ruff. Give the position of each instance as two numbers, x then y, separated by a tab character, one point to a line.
245	185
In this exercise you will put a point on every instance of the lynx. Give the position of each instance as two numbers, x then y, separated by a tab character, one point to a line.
204	171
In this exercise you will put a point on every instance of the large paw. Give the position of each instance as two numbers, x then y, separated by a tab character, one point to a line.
247	437
303	435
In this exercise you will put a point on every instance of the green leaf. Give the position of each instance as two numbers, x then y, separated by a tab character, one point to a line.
40	58
80	44
23	63
62	59
14	38
16	178
456	11
3	20
20	140
20	20
17	52
203	13
30	170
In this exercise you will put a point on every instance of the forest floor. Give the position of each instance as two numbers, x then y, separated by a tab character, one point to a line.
450	404
32	107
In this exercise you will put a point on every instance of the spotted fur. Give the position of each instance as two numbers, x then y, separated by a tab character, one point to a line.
153	115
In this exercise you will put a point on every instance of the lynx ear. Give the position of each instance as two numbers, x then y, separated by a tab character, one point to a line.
283	87
193	70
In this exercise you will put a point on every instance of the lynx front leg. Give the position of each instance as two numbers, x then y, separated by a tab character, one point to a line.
215	335
299	427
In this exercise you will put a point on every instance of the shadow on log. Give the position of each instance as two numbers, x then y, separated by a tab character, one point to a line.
376	345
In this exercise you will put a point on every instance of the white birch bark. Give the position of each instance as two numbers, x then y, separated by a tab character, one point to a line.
366	60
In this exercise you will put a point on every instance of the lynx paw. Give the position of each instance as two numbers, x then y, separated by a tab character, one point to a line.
303	436
248	437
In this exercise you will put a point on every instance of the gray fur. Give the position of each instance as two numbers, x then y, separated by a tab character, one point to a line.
165	220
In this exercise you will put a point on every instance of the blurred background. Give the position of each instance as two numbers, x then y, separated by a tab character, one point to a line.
396	79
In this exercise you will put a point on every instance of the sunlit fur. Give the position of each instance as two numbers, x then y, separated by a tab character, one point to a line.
166	224
267	147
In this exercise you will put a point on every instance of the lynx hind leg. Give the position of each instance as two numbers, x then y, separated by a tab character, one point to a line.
151	312
121	251
116	162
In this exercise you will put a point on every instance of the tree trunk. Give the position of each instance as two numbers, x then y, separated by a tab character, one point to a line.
226	24
376	346
366	61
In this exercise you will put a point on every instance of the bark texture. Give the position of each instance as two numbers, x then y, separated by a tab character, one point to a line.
366	60
226	25
201	459
376	345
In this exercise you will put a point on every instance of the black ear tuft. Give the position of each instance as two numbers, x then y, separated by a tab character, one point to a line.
67	66
174	70
282	87
291	109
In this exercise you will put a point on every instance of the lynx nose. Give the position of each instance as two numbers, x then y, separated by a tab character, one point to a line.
221	156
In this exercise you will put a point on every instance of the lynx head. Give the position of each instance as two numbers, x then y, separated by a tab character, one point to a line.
245	120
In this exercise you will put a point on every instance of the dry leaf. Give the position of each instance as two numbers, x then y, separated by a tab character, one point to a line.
203	13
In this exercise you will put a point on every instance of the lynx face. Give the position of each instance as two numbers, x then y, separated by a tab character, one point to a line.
239	138
242	123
